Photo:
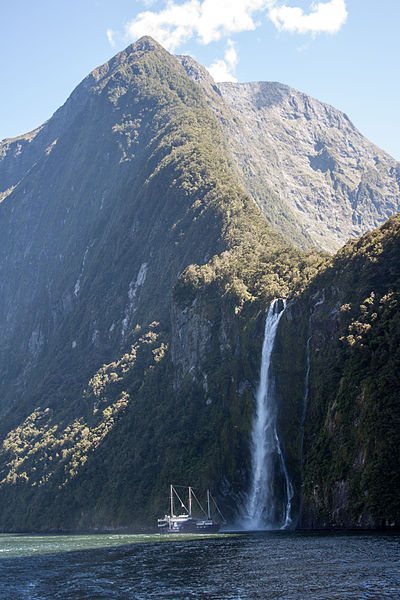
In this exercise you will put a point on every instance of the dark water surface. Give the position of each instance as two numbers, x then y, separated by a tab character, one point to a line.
272	566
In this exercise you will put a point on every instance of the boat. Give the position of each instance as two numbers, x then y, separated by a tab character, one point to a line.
186	522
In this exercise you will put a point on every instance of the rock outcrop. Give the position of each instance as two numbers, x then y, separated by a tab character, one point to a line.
317	179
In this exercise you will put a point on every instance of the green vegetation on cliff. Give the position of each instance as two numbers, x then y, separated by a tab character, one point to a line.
109	391
352	429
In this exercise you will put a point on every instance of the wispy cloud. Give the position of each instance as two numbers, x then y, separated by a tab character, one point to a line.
111	37
323	17
222	70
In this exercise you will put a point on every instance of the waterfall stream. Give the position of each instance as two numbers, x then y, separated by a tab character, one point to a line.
263	510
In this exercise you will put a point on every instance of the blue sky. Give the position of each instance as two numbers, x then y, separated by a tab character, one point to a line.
343	52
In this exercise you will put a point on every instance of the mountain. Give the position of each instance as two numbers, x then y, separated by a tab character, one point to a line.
316	178
137	260
121	200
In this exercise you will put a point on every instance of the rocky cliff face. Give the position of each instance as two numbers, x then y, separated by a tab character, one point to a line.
336	183
316	178
83	197
348	324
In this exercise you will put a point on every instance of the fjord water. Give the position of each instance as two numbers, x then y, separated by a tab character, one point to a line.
261	510
253	566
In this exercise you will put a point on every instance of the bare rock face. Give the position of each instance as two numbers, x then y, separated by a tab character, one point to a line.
316	178
191	339
335	181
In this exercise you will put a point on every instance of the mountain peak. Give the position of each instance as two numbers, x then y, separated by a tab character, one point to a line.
146	42
144	45
143	48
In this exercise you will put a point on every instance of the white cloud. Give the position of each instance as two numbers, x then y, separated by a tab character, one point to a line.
171	27
211	20
207	21
223	17
110	37
324	17
222	70
231	55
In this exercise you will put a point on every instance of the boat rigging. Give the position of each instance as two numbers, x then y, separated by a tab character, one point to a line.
186	522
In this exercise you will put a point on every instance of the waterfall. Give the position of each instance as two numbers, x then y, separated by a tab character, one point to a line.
262	510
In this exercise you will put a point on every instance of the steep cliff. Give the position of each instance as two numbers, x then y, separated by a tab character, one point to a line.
345	330
122	212
315	177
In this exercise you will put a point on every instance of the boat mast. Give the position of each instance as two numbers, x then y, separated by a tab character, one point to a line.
190	501
172	500
208	505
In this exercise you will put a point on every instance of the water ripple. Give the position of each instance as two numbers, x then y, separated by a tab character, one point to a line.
268	566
